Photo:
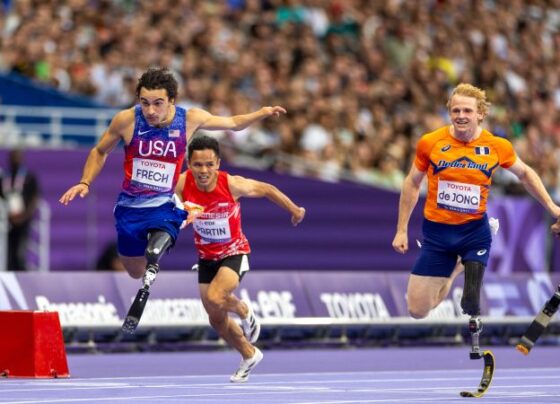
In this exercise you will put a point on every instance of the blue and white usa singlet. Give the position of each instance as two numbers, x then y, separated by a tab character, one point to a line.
153	161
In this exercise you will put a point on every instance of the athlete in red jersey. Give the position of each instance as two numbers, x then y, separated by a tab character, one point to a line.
155	134
212	199
217	224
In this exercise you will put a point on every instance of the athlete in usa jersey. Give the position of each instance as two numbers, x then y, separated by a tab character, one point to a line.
155	134
212	199
459	161
153	161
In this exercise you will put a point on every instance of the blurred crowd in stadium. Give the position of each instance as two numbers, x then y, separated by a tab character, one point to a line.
361	79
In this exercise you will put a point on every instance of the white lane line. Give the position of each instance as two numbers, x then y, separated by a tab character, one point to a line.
228	395
317	374
83	385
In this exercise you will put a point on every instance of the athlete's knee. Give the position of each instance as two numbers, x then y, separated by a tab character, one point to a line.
216	298
136	274
418	312
135	269
470	302
418	304
158	243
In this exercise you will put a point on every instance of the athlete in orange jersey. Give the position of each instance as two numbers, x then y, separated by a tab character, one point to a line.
459	161
212	198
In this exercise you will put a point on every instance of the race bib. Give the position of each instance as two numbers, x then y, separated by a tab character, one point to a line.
213	230
157	175
458	196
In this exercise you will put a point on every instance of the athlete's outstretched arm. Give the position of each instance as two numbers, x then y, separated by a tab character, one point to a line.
241	186
409	197
98	155
201	119
534	185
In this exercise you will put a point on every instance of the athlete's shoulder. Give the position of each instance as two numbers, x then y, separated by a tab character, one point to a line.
226	178
431	138
502	146
125	116
496	141
197	114
122	123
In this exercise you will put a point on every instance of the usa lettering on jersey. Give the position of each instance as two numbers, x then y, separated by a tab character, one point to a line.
162	148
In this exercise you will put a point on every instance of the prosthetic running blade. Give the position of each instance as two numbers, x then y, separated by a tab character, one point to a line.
539	324
135	312
487	374
527	341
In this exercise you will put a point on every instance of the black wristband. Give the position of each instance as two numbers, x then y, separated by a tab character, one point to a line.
84	183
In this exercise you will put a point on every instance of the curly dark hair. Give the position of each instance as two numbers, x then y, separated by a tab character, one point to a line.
157	78
203	142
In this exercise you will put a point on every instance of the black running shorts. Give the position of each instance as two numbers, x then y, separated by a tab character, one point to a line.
207	269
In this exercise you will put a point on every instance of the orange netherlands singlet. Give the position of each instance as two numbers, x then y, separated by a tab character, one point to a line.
460	174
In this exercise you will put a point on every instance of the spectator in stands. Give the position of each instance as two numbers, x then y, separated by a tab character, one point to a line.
20	189
385	60
459	161
155	133
213	198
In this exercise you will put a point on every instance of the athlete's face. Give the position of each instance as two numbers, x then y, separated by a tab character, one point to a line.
156	106
464	116
204	165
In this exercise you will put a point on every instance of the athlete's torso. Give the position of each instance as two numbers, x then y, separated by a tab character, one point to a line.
460	174
153	160
217	230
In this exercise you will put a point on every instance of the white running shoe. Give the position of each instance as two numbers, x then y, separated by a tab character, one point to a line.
250	325
241	375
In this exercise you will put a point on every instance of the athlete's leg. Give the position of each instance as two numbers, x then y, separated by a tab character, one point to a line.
424	294
234	305
158	243
216	298
240	265
135	266
470	302
459	268
145	234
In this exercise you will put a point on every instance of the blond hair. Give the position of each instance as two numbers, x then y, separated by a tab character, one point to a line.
468	90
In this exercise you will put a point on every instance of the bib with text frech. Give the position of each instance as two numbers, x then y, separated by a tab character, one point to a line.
157	175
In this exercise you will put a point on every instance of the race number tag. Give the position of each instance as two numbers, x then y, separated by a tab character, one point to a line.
214	230
157	175
458	196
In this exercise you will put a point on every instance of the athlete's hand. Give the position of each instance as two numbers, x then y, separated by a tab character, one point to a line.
298	216
193	210
555	228
400	242
274	111
79	189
